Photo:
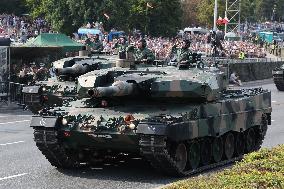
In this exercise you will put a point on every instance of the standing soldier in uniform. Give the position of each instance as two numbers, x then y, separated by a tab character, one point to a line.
142	53
94	43
183	54
121	46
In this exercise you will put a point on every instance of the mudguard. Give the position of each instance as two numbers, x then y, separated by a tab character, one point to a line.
45	121
151	128
31	89
182	131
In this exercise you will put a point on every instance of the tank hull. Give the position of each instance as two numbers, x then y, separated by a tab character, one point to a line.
177	140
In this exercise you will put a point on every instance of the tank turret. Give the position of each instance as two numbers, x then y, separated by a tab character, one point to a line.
194	84
62	87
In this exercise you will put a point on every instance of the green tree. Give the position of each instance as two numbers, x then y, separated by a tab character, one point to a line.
68	15
12	7
248	11
55	13
205	12
119	14
164	18
189	13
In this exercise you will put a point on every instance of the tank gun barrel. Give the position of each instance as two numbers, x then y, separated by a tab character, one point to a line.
118	88
75	70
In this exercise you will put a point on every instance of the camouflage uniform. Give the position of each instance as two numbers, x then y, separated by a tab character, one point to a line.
144	53
122	48
95	45
182	54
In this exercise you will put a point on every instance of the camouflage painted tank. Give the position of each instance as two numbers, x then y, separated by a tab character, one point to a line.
181	121
62	87
278	78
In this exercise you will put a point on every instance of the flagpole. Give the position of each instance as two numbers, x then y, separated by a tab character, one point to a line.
145	32
215	15
226	16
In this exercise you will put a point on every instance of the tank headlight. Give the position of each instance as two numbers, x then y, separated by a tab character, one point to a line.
132	126
43	89
64	121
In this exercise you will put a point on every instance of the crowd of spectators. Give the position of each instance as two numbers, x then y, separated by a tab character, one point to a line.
29	73
200	43
21	28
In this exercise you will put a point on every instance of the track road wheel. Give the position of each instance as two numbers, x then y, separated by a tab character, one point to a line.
250	140
217	149
206	152
180	156
239	144
194	154
229	145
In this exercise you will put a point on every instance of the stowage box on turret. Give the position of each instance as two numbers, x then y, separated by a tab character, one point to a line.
181	121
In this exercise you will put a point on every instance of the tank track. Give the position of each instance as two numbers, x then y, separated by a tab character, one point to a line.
47	142
280	86
154	149
279	82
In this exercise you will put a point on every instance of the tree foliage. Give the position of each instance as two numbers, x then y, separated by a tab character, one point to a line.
12	7
189	12
67	15
164	18
251	11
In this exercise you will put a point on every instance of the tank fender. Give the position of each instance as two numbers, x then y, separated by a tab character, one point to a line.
45	121
182	131
151	128
31	89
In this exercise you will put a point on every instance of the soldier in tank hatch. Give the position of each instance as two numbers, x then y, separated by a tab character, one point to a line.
183	55
121	46
94	43
142	53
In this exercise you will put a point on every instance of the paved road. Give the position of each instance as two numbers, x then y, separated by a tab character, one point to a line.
22	165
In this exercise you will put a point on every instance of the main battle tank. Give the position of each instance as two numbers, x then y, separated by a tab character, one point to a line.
181	121
278	77
62	87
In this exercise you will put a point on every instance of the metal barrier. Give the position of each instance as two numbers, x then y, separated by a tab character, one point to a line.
16	94
11	92
246	60
4	91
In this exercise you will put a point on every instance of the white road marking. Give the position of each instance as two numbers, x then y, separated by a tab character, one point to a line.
16	115
13	176
12	143
15	122
272	120
274	101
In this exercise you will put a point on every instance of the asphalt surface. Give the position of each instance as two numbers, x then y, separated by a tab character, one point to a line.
22	166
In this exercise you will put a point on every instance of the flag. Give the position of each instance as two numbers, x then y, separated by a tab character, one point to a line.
106	15
149	5
219	21
225	20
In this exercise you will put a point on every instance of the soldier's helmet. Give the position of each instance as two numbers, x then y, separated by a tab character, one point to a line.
186	43
143	42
